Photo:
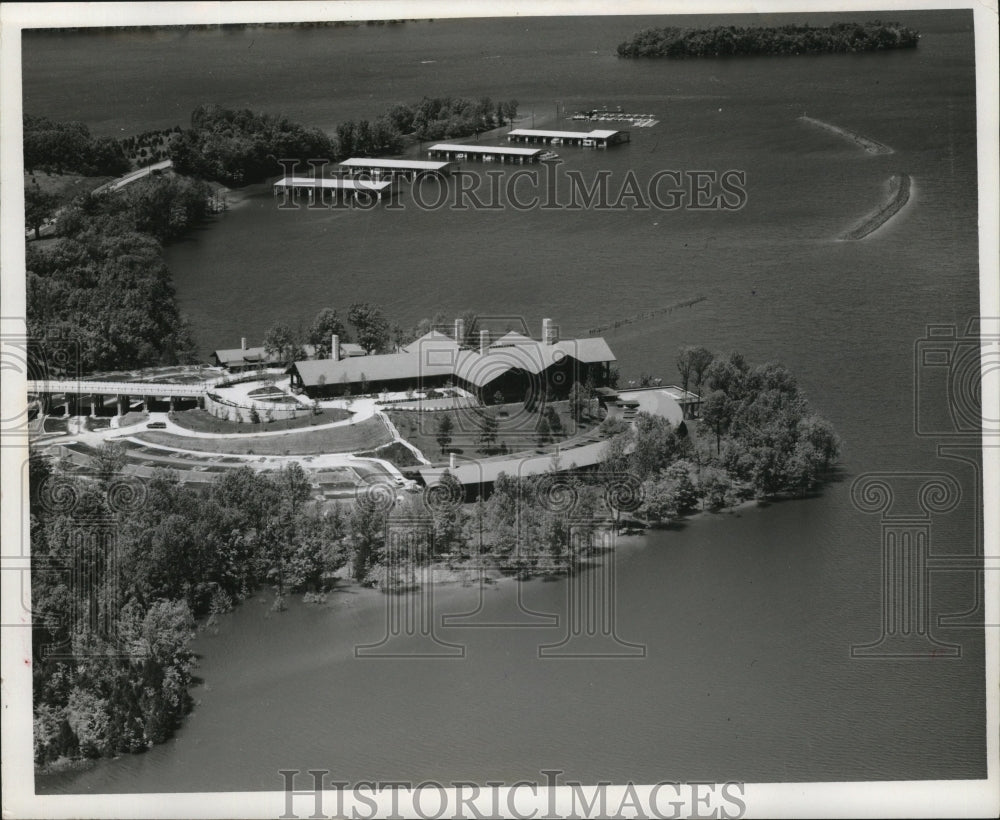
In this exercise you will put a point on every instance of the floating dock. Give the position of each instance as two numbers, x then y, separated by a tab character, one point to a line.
635	120
584	139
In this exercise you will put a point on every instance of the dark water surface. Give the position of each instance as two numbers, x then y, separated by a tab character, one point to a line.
749	618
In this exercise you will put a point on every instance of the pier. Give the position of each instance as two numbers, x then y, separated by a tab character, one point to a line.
584	139
635	120
485	153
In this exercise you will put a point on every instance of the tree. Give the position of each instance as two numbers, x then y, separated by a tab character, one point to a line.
488	432
716	414
110	460
716	488
367	526
544	433
579	401
324	326
728	375
450	519
280	342
659	498
554	422
444	428
371	325
656	445
38	206
685	492
692	362
684	365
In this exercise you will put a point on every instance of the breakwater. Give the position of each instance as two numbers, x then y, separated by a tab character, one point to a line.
870	145
899	195
646	314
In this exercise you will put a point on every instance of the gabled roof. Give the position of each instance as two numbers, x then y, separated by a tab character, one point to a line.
394	164
600	134
252	355
486	149
436	354
516	465
239	355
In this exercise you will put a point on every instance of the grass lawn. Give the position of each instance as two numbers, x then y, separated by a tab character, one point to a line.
64	186
132	417
55	424
365	435
201	421
396	454
517	429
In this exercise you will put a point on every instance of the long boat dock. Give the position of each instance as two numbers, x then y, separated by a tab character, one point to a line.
344	186
485	153
587	139
394	168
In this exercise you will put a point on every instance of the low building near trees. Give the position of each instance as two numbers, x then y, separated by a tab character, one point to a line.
244	358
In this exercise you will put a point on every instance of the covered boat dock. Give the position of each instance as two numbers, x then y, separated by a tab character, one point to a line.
485	153
601	138
341	187
394	168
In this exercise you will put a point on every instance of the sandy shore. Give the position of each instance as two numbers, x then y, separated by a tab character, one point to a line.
899	195
870	145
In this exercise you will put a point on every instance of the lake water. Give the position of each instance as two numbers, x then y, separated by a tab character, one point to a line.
748	619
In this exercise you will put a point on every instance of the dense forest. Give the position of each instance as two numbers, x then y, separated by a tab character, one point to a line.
112	663
104	288
238	147
67	147
241	147
724	41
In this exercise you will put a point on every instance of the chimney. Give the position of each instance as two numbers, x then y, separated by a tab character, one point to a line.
451	461
243	343
550	333
335	347
484	342
459	331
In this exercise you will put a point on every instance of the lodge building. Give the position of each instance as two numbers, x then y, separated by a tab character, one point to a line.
510	368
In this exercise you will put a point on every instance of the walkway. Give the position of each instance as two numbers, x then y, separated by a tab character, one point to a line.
134	176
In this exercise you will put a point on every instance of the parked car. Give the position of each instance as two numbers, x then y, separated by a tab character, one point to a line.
157	425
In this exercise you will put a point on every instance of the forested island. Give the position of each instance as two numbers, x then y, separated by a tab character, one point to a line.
732	41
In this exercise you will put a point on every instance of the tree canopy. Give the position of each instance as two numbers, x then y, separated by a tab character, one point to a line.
105	289
65	147
721	41
370	325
